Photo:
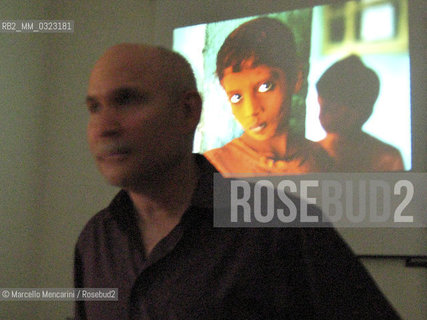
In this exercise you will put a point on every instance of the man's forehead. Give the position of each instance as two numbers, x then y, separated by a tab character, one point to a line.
126	65
130	60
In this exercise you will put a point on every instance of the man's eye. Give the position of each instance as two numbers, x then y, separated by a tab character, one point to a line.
126	97
92	107
235	98
266	86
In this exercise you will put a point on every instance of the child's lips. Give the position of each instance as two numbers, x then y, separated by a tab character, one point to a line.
258	127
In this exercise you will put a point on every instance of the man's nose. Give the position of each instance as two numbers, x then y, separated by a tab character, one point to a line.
108	122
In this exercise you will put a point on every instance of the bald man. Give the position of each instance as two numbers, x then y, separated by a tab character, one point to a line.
156	243
144	108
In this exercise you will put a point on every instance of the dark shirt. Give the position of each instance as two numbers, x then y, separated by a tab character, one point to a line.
201	272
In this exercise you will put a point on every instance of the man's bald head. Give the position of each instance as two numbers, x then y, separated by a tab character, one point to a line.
173	73
143	111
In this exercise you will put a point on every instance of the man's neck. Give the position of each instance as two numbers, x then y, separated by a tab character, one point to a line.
161	206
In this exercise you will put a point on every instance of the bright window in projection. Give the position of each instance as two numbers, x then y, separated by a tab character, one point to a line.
378	23
384	51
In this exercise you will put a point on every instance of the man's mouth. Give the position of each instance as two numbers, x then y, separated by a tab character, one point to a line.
114	151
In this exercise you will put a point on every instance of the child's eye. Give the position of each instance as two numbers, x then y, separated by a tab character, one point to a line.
235	98
266	86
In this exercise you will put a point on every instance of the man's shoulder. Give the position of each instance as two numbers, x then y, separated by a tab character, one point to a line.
95	223
204	165
106	219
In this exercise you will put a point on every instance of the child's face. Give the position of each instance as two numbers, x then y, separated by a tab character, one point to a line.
260	99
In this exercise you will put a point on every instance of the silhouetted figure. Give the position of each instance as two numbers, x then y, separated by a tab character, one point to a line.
347	92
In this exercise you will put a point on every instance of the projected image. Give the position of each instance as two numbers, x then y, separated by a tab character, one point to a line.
267	112
346	93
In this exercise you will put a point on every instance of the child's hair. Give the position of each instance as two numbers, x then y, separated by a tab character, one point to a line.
349	82
262	41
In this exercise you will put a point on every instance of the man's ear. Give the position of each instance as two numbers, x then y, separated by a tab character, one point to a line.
192	104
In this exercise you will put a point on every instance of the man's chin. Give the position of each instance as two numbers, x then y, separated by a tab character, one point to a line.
115	181
116	178
128	178
129	181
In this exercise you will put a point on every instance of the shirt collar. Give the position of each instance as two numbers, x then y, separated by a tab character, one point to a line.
123	210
